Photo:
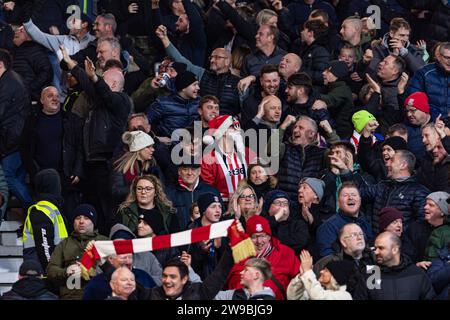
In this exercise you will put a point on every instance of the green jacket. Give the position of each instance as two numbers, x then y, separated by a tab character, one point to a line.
130	216
68	252
439	239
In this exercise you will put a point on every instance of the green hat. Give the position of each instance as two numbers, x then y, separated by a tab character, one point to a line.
361	118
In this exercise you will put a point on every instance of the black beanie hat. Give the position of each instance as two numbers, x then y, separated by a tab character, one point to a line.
184	79
341	270
396	143
178	66
205	200
339	69
86	210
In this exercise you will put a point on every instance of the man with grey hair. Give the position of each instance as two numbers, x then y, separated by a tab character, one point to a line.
300	156
351	32
401	191
255	273
399	278
122	284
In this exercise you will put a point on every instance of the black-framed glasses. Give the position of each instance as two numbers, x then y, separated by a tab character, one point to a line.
142	189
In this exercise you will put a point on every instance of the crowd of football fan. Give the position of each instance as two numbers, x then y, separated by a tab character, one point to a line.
126	120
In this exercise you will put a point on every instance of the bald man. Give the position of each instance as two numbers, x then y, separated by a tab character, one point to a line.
268	116
289	64
52	139
114	79
218	81
398	277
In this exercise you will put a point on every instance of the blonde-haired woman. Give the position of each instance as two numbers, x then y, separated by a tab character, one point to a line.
135	162
243	204
147	198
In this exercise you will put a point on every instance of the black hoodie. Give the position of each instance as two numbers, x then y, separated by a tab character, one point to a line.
29	288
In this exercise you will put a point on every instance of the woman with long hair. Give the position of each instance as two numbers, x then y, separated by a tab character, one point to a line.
137	161
243	204
147	198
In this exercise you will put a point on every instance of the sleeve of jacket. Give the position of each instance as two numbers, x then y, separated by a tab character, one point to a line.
427	291
173	52
155	112
196	27
296	290
44	235
331	99
419	203
75	139
118	186
417	83
4	192
26	147
42	68
83	80
414	60
114	101
216	280
51	42
245	29
55	268
439	274
320	62
209	170
326	236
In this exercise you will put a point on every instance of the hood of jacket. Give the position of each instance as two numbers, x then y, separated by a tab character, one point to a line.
120	227
385	44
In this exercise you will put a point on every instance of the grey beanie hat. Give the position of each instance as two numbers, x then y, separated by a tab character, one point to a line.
440	198
317	185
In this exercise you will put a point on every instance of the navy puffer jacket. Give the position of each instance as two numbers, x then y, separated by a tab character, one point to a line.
435	82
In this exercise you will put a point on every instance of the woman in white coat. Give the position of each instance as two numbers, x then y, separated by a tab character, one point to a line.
331	285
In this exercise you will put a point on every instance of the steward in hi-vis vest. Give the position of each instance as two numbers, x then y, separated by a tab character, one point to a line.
44	226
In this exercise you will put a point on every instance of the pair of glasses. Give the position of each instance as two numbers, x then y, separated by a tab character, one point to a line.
250	196
146	189
281	203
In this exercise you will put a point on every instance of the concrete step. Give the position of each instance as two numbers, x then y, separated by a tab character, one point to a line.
8	278
11	251
8	239
10	226
10	264
4	288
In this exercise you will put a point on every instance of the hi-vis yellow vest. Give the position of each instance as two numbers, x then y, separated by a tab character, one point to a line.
52	212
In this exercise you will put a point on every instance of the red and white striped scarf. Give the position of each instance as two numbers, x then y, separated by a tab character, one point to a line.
103	249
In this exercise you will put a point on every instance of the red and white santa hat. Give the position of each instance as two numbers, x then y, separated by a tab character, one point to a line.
218	126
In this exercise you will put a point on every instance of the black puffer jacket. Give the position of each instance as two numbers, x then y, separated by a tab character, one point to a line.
29	288
403	282
315	59
298	163
14	106
439	26
224	87
32	63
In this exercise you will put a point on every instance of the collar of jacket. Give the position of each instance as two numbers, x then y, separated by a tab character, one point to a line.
219	75
386	45
392	83
275	52
336	84
405	261
348	218
84	236
182	100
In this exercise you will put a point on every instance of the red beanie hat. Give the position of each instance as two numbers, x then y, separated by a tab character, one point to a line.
418	100
218	126
256	224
